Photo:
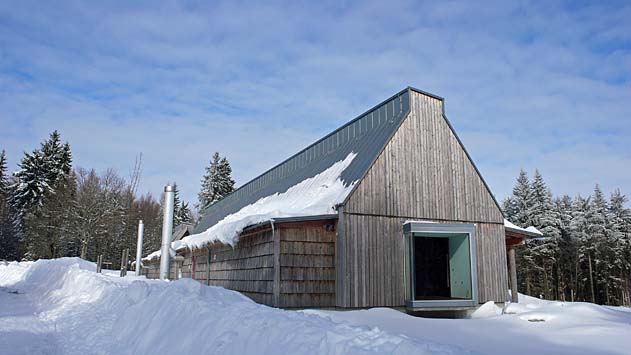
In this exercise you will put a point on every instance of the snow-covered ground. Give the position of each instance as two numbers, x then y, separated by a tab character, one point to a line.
63	307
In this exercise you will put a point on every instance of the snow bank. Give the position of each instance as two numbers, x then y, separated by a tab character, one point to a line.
63	307
487	310
532	326
314	196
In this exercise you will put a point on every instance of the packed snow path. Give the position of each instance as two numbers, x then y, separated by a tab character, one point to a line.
64	307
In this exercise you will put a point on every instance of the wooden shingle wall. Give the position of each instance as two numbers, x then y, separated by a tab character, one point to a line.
300	271
423	173
307	266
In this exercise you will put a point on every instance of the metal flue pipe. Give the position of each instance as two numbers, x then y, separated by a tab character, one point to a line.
141	231
167	230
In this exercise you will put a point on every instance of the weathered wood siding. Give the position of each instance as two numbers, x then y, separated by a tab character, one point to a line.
307	265
295	262
247	268
423	173
151	269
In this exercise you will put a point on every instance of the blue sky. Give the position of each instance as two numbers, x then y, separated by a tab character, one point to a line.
528	86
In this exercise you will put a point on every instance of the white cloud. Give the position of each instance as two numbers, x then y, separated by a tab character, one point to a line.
525	87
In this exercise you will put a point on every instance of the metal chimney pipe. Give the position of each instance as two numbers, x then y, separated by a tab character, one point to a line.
141	231
167	230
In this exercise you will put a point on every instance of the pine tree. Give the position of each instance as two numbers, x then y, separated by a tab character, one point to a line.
44	198
217	182
522	204
184	214
9	241
579	228
544	217
599	232
620	245
509	208
31	183
181	211
567	249
518	210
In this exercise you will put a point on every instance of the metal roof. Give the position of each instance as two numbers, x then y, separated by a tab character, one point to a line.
365	135
181	231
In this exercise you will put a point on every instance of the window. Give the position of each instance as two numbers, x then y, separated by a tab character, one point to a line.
440	265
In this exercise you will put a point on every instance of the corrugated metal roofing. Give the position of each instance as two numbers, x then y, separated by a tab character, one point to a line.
366	136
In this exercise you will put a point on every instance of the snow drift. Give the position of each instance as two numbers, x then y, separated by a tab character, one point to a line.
63	307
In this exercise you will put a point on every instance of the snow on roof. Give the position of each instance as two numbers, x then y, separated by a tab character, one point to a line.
530	230
175	246
317	195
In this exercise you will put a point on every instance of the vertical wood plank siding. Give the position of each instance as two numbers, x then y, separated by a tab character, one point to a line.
422	173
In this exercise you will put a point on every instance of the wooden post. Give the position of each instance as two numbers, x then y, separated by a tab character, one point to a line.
178	262
512	272
193	266
124	259
276	285
84	249
208	265
99	263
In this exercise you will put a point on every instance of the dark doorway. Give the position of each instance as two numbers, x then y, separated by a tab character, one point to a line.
431	268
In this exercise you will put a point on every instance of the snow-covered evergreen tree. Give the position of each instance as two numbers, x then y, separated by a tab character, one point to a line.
566	250
518	210
184	214
217	181
509	208
9	238
181	211
620	246
544	217
600	230
43	197
579	228
31	183
522	201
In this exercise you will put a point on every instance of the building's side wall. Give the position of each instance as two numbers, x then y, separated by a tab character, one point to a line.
307	265
298	265
151	269
422	174
247	268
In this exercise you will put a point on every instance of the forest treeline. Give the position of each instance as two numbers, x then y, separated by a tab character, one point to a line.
585	251
49	209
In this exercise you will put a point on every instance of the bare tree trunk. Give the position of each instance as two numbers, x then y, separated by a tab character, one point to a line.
545	282
591	278
84	249
560	284
528	282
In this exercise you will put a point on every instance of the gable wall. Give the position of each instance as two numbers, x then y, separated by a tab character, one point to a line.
423	174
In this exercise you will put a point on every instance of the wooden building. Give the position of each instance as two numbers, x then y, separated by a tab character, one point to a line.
417	228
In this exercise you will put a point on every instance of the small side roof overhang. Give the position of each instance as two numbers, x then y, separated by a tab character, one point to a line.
516	235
